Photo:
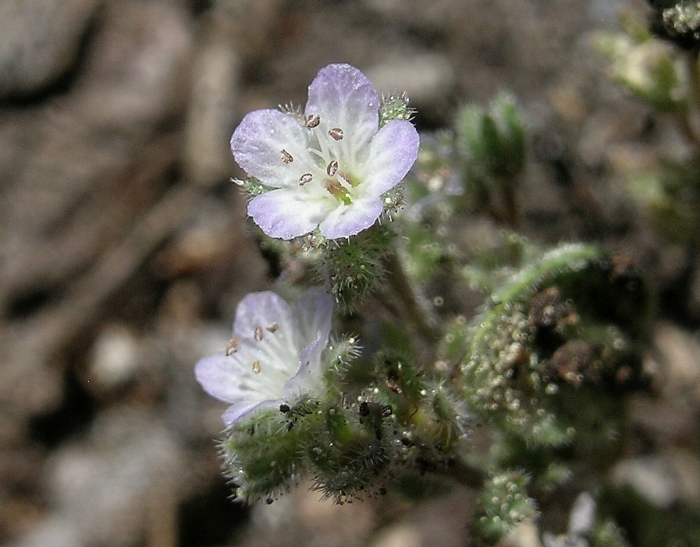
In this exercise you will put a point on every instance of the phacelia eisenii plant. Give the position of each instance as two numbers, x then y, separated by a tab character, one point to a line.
543	366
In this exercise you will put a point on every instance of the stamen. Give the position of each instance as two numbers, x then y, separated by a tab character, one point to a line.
256	367
336	133
258	334
232	346
286	156
305	178
312	120
272	327
332	168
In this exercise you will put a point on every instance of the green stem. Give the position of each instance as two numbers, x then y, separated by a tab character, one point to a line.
413	308
691	120
462	473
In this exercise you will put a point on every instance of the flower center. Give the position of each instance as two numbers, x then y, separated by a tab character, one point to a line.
338	191
328	152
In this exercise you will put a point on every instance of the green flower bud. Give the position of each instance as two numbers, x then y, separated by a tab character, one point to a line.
678	22
647	68
670	197
394	107
353	269
503	504
252	186
263	454
349	455
608	534
492	142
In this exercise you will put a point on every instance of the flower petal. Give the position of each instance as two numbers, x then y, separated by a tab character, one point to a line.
258	142
308	375
261	309
314	313
241	408
348	220
219	377
392	153
344	98
286	214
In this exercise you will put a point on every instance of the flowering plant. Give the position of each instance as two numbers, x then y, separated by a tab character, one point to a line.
328	167
558	324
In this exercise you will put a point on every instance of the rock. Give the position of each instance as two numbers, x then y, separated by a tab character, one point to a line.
114	485
40	41
209	126
679	353
51	532
427	78
91	164
663	479
116	357
130	84
399	535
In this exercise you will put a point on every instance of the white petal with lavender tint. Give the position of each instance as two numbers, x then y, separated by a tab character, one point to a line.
392	153
285	215
259	143
310	324
344	98
349	220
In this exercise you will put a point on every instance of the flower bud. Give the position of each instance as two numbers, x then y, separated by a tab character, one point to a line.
492	142
394	107
647	68
502	505
353	269
678	22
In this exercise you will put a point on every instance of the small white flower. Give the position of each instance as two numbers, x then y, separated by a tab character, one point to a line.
274	353
328	167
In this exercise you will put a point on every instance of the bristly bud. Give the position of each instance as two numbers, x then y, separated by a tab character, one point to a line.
294	111
350	454
262	455
353	269
394	107
502	505
670	199
678	22
340	355
647	68
491	145
252	186
492	142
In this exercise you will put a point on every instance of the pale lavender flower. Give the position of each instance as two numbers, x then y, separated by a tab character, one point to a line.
274	354
328	167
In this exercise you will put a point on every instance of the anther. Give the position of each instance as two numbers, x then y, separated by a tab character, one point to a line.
272	327
256	367
258	334
336	133
332	168
312	120
232	346
305	178
286	156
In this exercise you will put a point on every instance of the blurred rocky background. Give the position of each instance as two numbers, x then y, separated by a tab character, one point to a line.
124	249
